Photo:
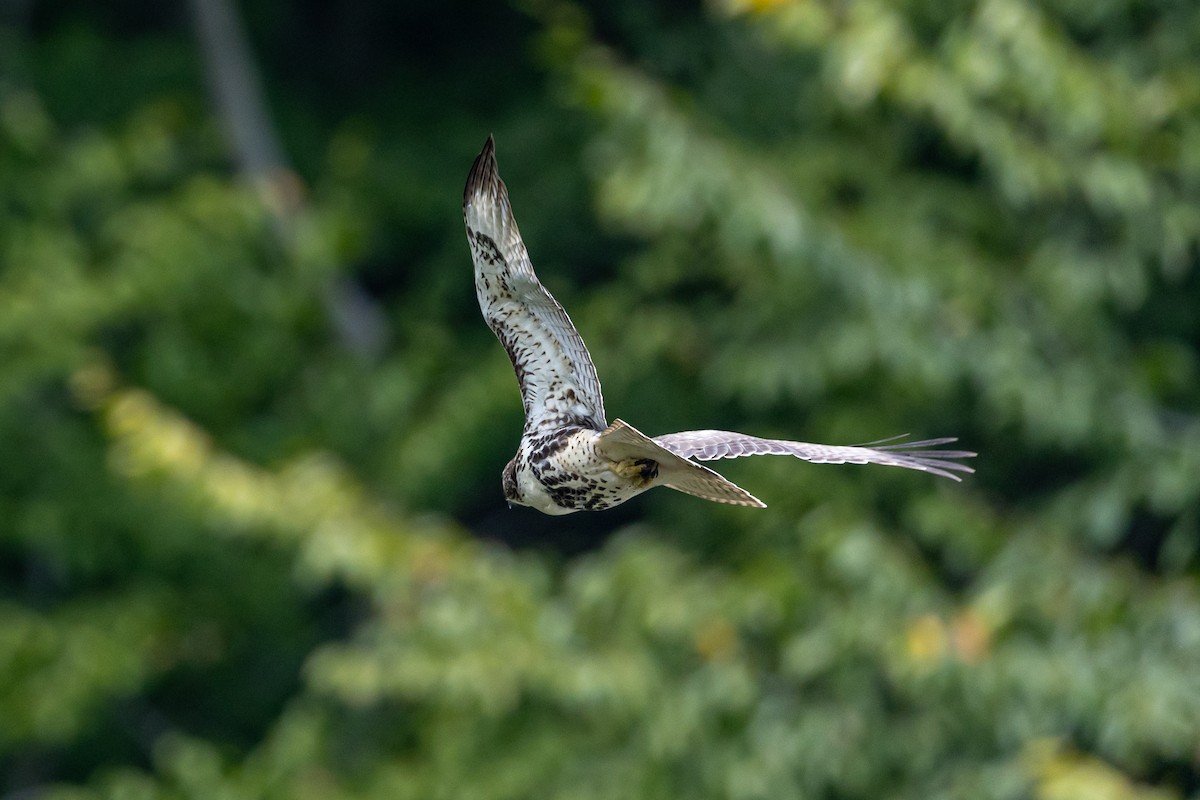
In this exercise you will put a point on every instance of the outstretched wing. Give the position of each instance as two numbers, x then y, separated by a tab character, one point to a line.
711	445
557	378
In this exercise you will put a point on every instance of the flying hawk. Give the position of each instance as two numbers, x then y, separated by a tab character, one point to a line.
570	458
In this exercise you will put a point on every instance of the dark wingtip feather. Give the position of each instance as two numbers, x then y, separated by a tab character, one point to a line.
936	462
484	176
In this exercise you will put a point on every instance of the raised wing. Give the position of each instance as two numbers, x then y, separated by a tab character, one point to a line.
711	445
557	378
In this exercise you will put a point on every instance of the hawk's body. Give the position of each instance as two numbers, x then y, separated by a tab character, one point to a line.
570	458
559	472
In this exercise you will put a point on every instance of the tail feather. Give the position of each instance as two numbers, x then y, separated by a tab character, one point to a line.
621	442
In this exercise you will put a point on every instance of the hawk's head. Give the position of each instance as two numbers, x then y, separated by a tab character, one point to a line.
511	492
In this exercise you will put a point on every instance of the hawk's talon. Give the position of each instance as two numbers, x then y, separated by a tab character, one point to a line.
638	470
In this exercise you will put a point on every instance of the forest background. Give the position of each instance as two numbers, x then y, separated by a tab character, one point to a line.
252	538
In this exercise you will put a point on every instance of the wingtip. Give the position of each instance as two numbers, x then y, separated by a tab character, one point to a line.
484	176
936	462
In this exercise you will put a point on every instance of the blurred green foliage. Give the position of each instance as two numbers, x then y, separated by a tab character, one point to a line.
238	561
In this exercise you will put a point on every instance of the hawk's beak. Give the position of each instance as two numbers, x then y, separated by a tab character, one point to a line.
509	504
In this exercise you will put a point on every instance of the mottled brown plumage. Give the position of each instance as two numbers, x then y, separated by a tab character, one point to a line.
570	458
